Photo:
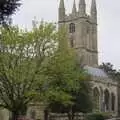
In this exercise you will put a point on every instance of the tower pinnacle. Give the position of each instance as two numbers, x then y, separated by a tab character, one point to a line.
94	10
82	7
61	10
74	8
61	5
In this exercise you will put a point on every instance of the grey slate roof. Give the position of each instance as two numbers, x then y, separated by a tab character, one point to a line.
95	71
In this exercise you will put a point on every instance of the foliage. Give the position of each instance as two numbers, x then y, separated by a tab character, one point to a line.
109	69
98	116
95	116
39	65
60	72
7	8
22	57
81	101
69	82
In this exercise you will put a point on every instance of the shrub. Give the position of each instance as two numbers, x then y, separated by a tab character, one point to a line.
95	116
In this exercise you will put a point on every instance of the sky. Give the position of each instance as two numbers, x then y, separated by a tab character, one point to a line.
108	22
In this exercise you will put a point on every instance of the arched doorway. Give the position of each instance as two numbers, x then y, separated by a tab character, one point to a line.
106	100
96	97
112	102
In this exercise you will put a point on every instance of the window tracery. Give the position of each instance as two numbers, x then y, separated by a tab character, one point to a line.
72	28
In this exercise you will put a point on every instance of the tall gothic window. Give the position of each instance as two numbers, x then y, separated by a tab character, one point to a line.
113	102
107	100
72	28
96	97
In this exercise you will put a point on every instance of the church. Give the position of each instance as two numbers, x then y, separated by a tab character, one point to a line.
82	34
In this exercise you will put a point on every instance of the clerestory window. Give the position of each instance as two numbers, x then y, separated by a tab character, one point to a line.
72	28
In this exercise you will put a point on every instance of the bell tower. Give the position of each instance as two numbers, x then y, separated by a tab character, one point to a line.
82	31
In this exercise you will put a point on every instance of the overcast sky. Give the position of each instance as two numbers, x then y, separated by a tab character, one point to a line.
108	22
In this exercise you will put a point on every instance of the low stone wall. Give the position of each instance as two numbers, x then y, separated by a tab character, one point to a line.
54	116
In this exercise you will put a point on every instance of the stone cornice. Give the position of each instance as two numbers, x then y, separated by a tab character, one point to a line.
88	50
104	81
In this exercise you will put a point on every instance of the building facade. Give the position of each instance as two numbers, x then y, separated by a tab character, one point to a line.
82	34
82	31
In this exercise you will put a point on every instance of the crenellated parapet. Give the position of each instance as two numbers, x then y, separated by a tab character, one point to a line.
78	13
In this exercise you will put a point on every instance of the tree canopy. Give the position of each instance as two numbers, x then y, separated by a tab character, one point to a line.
22	57
70	91
109	69
39	65
7	8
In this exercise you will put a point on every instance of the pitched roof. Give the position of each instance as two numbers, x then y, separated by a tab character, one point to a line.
95	72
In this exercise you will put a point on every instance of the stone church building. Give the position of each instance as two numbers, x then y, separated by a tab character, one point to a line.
82	34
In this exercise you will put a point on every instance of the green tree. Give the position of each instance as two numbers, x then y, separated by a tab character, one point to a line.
109	69
68	87
7	8
22	57
81	102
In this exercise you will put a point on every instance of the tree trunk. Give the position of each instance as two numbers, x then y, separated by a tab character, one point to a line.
18	112
14	116
71	114
46	114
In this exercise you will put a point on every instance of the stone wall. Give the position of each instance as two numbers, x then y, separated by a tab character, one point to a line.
55	116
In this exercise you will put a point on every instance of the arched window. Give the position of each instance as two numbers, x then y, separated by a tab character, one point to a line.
101	99
113	102
106	100
96	96
72	28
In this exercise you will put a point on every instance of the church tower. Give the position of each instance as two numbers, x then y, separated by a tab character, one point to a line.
82	31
